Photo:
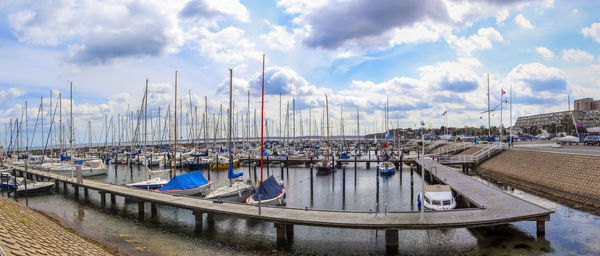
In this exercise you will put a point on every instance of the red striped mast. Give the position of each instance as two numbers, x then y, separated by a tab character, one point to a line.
262	110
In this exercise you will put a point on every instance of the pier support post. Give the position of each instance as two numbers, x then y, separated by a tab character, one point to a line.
141	209
76	191
197	222
102	199
65	187
368	164
153	210
56	185
280	233
391	240
289	232
113	200
85	193
541	228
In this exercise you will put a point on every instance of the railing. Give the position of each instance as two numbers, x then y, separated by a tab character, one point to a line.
453	148
476	158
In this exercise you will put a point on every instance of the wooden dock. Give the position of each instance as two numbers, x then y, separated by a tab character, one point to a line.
494	207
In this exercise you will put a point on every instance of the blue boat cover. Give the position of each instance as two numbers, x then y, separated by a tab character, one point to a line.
185	181
231	174
78	162
269	188
345	156
265	153
64	158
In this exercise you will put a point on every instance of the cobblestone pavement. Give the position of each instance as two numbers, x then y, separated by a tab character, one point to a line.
24	231
574	178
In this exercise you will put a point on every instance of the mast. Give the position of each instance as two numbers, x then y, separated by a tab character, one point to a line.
71	110
510	107
230	114
262	106
488	96
175	146
146	117
327	113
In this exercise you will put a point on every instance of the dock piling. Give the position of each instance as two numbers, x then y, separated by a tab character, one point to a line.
289	232
113	200
153	210
541	228
102	199
197	222
141	209
391	241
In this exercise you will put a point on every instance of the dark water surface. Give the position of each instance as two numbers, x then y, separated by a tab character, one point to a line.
569	232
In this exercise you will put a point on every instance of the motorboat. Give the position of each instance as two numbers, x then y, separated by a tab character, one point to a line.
94	167
326	167
387	168
438	198
33	187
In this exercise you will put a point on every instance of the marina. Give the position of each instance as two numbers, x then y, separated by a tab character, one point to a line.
293	127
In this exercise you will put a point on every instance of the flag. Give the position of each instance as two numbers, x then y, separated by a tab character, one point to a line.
503	92
445	112
387	135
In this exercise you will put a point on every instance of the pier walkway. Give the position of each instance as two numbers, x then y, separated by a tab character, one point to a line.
493	207
478	157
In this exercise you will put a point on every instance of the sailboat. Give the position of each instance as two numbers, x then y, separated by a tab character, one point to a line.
269	191
186	184
235	190
327	166
150	183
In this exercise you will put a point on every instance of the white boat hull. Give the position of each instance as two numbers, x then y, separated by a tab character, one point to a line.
275	201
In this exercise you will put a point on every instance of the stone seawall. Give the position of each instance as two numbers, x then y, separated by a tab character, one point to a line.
24	231
573	178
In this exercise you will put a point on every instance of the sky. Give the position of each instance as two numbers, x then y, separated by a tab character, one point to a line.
423	57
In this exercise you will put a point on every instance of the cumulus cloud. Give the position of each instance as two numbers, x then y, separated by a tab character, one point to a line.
482	40
523	22
593	31
98	32
544	52
363	19
279	38
8	95
228	45
577	55
538	80
206	10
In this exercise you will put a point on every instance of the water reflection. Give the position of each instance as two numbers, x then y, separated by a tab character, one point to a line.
569	231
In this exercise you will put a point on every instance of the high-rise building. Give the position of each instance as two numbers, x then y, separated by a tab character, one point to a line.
585	104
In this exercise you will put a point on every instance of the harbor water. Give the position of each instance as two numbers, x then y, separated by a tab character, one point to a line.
568	232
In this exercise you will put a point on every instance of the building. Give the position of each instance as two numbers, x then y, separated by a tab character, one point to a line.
544	121
586	104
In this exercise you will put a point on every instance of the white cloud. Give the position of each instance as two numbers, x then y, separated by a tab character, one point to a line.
8	95
593	31
228	45
98	32
279	38
523	22
482	40
575	11
544	52
577	55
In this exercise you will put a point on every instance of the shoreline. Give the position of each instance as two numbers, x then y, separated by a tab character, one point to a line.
564	178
